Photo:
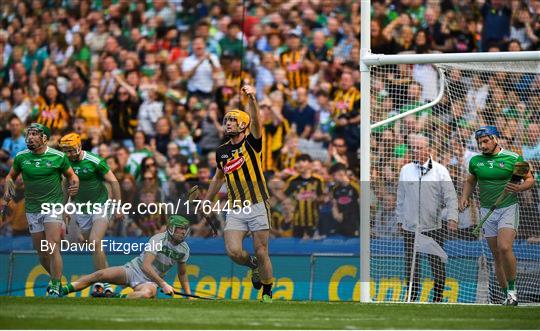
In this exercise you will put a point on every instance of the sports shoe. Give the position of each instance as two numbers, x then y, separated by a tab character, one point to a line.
267	298
55	291
98	290
255	275
511	299
107	289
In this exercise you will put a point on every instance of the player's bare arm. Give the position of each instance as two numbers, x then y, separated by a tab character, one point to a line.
183	278
73	180
152	274
215	185
111	179
468	187
9	188
253	111
527	184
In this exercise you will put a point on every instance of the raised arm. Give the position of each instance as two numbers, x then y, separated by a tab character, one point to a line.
253	111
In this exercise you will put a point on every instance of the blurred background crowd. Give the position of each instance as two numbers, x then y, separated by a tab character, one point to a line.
146	84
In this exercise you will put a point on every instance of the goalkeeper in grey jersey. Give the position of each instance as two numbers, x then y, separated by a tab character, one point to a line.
144	274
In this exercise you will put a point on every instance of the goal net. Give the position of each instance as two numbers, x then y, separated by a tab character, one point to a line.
417	254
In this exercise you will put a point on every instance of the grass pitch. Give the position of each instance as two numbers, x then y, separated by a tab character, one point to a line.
88	313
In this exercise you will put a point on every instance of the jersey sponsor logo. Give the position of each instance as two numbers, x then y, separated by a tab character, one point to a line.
48	164
26	162
233	165
501	164
480	164
224	156
306	195
344	200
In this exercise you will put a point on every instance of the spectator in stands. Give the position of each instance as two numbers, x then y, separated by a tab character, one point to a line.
303	116
15	143
345	197
52	110
496	15
199	68
306	191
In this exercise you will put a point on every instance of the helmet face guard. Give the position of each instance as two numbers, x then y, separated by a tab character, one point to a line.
41	130
487	131
241	118
177	222
71	145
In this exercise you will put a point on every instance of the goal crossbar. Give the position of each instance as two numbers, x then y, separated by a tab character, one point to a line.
370	59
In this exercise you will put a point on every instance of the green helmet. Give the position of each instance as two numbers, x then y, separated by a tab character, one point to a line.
40	127
177	221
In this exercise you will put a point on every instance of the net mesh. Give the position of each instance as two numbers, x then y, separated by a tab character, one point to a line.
416	253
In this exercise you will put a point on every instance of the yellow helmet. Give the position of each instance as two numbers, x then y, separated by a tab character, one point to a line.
70	140
241	117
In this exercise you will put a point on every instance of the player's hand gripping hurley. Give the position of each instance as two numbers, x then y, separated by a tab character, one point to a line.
521	169
193	194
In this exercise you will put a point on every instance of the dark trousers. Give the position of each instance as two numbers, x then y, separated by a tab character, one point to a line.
437	266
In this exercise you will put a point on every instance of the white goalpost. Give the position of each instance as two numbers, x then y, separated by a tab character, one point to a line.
443	97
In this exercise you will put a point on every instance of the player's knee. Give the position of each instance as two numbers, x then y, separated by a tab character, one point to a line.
261	252
147	294
234	253
504	249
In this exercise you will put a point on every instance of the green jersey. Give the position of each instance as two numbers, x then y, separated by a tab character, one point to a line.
493	173
167	254
42	177
91	170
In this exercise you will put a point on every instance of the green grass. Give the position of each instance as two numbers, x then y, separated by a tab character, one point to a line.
87	313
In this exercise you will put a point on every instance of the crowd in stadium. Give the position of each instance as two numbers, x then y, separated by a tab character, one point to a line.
146	85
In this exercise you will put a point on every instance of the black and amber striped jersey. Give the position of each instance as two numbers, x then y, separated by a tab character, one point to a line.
54	116
291	61
273	140
280	224
306	193
287	161
242	166
345	102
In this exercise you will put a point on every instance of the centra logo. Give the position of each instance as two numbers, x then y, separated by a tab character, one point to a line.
233	165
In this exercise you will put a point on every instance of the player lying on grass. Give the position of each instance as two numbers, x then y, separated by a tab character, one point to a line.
144	274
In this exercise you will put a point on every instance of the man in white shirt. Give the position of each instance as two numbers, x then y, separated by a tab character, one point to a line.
199	68
425	190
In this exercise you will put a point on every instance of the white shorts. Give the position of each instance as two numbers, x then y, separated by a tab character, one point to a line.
507	217
135	276
257	220
86	221
36	221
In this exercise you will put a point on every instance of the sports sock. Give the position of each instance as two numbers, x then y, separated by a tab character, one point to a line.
267	286
67	289
252	262
118	295
55	282
512	285
505	291
267	289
